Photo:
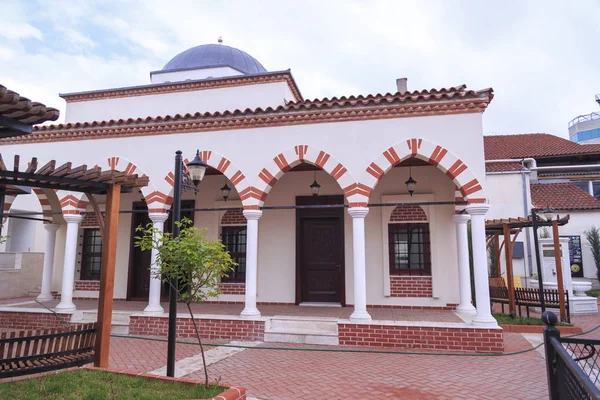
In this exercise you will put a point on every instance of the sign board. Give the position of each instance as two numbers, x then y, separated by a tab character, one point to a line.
575	256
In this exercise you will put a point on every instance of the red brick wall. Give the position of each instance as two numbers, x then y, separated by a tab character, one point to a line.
87	285
209	328
410	286
408	213
233	217
31	320
90	221
424	338
233	288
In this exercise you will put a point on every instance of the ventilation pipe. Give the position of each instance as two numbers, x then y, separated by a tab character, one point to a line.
401	84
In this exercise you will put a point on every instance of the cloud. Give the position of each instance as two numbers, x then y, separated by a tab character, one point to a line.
539	56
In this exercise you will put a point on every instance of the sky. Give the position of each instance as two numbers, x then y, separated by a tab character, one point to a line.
542	58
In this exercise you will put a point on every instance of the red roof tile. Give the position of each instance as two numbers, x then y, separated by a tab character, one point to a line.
562	196
502	167
533	145
19	108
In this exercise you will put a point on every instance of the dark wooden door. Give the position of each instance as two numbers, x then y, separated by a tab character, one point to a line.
139	276
139	270
320	252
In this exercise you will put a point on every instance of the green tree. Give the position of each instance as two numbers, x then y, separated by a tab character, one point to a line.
197	264
592	236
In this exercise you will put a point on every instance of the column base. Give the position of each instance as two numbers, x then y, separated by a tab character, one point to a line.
360	316
44	297
68	307
154	310
466	309
250	313
485	321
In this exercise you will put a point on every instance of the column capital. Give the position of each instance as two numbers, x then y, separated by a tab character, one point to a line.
73	218
252	214
358	212
51	227
461	218
158	217
477	208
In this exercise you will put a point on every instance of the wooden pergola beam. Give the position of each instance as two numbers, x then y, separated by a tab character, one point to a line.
510	283
559	271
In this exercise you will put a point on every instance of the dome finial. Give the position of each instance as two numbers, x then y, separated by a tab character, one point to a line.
220	40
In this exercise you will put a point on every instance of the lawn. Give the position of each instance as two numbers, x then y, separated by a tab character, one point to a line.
98	385
593	292
505	319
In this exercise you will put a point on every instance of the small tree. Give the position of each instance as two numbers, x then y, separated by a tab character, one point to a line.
592	236
196	263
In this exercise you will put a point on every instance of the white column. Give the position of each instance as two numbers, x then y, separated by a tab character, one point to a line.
252	217
464	274
483	315
68	279
154	307
358	215
46	288
591	188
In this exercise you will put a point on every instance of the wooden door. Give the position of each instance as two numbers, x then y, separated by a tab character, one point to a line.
320	252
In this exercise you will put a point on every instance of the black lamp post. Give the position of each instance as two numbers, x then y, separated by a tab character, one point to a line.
196	169
548	213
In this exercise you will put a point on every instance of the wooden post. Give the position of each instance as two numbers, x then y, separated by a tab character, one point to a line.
559	274
510	282
498	253
107	275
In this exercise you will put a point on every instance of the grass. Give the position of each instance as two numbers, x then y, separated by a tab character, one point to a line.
99	385
593	292
505	319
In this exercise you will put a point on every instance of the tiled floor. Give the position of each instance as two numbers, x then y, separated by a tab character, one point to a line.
381	314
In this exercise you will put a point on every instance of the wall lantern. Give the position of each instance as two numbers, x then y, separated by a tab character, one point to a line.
315	187
225	191
410	183
197	169
548	213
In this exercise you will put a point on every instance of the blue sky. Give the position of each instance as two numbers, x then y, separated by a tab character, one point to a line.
541	57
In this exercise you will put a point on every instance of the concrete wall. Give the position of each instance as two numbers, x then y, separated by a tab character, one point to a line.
20	273
207	100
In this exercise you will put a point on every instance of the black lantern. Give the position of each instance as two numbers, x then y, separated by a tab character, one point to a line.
410	183
315	187
548	213
225	191
197	169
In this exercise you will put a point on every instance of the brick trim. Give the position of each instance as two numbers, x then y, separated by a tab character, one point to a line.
87	285
31	320
409	213
90	220
234	217
232	288
422	338
209	328
411	286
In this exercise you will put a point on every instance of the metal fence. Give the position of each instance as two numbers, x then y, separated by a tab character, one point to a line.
573	365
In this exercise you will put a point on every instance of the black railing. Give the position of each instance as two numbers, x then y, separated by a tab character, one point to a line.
572	365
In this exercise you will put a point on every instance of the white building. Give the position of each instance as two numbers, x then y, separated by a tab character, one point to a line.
268	143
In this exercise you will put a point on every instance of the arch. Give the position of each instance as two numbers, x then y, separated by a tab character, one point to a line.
408	213
130	168
72	202
464	179
283	162
212	159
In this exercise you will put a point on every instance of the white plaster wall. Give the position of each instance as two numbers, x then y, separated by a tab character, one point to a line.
579	222
207	100
193	74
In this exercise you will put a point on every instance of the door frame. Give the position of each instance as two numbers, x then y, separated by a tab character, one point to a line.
318	213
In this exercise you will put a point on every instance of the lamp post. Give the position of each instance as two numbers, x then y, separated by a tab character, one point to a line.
548	213
197	169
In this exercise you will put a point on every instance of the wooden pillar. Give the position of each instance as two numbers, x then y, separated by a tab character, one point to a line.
559	273
510	282
107	275
497	255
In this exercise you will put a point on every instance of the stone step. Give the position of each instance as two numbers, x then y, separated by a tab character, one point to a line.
307	330
121	317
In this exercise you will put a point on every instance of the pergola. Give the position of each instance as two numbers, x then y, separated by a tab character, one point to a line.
511	227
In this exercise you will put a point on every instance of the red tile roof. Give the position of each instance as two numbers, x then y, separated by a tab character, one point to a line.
501	167
19	108
533	145
562	196
418	103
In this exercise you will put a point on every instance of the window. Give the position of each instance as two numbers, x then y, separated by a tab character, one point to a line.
409	249
234	239
91	254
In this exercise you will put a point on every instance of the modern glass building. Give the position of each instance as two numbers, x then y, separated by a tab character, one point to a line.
586	128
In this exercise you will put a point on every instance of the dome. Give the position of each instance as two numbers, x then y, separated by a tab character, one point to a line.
215	55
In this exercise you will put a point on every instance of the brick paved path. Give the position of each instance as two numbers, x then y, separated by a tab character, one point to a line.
277	374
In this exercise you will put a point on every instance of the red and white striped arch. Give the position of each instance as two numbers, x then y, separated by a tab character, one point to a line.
464	179
215	160
72	202
130	168
283	162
